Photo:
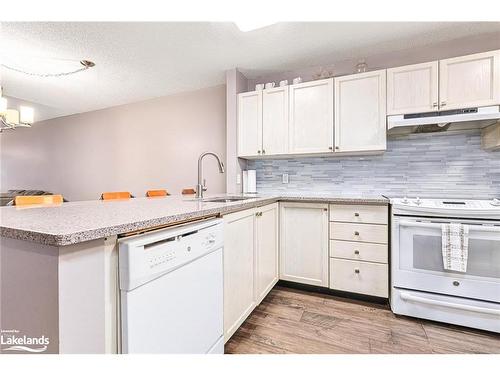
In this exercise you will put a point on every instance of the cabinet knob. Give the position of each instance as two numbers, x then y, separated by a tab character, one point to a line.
356	214
258	152
443	104
356	252
356	233
330	148
435	104
263	151
337	148
456	283
356	270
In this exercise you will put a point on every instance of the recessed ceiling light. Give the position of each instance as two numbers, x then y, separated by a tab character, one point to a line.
249	25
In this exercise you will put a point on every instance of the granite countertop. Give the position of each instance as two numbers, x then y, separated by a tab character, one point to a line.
74	222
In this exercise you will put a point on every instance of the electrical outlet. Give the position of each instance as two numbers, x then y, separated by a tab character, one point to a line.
238	178
285	178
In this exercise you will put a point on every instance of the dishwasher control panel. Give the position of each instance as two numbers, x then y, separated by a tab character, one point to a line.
145	257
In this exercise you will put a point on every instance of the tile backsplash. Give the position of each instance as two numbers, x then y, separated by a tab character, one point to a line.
448	164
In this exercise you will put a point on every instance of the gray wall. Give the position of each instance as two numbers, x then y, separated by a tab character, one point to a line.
153	144
449	164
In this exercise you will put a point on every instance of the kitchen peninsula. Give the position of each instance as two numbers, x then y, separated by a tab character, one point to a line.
59	263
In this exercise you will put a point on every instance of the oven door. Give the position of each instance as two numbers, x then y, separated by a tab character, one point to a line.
417	261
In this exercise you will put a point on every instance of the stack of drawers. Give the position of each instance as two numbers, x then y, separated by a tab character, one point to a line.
358	249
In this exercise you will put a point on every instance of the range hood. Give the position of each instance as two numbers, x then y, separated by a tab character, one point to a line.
428	122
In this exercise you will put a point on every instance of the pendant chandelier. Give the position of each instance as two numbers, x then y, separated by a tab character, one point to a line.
12	118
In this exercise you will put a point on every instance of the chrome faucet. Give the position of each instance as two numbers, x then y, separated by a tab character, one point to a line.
201	187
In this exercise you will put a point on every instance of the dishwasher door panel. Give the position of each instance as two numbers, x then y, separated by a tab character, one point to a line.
179	312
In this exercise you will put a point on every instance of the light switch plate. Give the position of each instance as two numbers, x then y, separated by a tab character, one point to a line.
285	178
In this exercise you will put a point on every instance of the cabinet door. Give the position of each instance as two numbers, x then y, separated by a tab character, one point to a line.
412	88
250	123
311	117
304	243
239	264
360	115
267	249
275	121
469	81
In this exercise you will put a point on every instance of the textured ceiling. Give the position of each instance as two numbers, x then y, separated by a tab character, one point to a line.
138	61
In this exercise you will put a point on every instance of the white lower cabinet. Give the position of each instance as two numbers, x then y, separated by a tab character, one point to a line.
359	277
239	264
304	243
267	267
359	250
290	241
250	262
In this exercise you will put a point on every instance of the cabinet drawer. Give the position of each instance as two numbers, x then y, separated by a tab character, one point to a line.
371	252
359	277
358	232
359	213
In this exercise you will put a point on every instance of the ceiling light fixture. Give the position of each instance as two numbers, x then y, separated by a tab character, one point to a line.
11	118
84	65
251	25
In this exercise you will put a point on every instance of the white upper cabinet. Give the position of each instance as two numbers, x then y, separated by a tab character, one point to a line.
469	81
412	88
360	112
275	121
311	117
250	123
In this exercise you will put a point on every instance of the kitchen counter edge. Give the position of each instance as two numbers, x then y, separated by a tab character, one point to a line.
66	239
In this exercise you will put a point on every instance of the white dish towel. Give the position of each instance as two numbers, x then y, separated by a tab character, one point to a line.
455	246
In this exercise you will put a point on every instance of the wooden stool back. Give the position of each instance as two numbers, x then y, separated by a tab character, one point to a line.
156	193
25	200
111	195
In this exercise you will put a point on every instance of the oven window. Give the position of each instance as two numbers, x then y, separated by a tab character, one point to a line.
483	260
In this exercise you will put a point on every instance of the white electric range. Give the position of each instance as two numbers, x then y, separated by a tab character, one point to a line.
421	287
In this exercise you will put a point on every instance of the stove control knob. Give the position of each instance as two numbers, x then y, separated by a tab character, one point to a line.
418	201
405	200
495	202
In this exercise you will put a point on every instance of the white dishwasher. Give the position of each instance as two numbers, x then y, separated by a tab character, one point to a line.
171	290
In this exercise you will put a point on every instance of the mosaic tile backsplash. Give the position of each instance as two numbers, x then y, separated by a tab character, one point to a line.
426	165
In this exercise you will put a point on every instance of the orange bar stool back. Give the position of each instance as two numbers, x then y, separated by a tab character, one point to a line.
111	195
25	200
188	191
156	193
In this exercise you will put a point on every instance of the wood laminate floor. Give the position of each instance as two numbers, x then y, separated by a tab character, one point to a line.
295	321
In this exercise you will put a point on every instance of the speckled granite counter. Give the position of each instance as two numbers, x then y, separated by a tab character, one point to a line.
75	222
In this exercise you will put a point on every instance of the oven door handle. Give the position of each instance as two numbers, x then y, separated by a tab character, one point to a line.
479	228
428	301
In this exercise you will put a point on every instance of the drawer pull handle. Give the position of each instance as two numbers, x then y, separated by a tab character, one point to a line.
356	252
356	214
356	233
356	270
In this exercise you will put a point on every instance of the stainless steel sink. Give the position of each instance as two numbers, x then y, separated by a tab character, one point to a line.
225	199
